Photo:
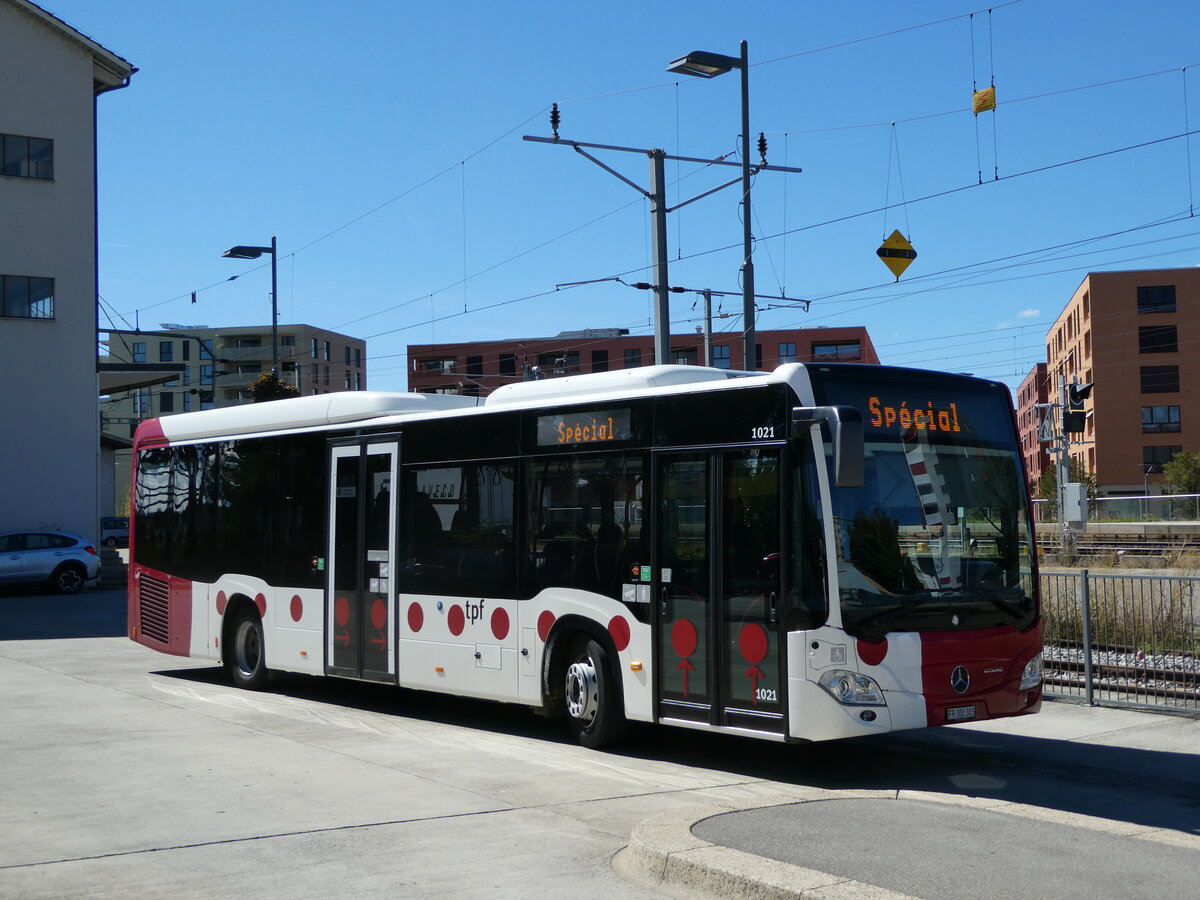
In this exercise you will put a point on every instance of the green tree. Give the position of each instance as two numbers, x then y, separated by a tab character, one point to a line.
1182	476
269	386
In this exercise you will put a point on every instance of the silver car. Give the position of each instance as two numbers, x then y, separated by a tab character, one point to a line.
63	560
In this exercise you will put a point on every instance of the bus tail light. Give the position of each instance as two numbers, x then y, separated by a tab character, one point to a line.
851	688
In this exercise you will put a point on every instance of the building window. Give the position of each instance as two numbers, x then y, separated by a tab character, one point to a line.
1160	379
315	349
599	360
27	157
187	350
1160	419
346	381
445	366
288	340
683	356
508	364
166	402
633	357
139	351
787	353
253	368
358	381
837	352
325	379
358	357
474	366
25	297
757	357
347	349
166	351
247	343
206	374
207	346
1158	299
720	356
1158	339
1153	458
325	350
187	401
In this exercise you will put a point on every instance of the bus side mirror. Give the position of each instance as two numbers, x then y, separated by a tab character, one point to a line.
846	426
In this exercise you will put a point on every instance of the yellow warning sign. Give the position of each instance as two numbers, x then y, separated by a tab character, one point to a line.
897	253
983	101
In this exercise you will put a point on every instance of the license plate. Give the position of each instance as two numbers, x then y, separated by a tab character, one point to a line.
960	713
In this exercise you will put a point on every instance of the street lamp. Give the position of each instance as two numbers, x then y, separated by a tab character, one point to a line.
254	253
703	64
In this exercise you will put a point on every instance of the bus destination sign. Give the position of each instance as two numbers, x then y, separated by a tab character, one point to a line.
575	429
922	416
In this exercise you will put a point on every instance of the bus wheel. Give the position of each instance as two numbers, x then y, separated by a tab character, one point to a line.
593	707
246	662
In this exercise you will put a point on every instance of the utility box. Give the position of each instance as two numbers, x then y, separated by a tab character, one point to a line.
1075	506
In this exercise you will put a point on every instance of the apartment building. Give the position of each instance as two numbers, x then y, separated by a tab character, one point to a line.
1033	390
52	77
478	368
220	364
1136	337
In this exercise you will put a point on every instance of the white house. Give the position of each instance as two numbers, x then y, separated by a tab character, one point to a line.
52	76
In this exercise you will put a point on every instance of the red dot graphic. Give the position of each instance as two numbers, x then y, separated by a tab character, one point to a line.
683	638
456	619
222	602
872	652
545	623
341	611
618	628
297	608
500	623
416	617
753	642
261	602
378	614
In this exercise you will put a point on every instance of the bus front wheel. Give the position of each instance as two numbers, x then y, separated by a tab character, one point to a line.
593	705
246	660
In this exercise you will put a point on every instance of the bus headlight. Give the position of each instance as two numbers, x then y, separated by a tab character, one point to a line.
1032	676
851	688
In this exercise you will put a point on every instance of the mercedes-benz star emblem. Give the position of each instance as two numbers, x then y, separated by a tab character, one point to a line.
960	679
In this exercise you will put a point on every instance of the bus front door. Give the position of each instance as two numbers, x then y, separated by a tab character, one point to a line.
360	596
717	587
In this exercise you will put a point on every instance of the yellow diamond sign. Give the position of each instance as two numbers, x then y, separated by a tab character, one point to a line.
897	253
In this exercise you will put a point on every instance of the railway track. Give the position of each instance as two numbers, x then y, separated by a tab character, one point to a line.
1135	676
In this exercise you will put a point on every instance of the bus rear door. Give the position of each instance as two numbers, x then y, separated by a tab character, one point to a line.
360	592
717	592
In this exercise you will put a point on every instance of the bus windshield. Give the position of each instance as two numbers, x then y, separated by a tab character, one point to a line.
938	536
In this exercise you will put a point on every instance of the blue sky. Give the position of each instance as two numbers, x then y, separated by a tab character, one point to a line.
381	143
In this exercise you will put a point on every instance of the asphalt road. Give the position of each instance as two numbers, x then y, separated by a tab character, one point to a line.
128	773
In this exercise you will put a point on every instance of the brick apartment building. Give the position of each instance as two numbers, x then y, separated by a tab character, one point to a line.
478	368
1136	337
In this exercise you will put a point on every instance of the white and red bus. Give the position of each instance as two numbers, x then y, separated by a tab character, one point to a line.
819	552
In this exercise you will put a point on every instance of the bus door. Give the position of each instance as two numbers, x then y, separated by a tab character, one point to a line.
717	592
360	592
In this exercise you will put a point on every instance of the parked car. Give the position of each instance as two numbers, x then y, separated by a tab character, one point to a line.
63	560
114	531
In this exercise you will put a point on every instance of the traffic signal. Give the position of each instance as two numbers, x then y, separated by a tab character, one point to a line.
1074	418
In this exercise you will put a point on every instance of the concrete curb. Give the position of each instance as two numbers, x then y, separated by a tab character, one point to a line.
664	855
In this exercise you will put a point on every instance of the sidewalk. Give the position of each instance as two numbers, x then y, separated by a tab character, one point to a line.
1074	802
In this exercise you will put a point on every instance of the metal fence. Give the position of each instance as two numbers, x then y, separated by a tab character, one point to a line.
1122	640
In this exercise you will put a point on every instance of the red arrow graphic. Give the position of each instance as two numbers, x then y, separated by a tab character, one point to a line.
687	667
380	642
754	673
344	638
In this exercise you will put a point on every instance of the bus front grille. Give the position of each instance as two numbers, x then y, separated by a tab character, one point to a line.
153	601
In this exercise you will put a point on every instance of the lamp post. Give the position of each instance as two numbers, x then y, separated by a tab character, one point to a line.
240	252
703	64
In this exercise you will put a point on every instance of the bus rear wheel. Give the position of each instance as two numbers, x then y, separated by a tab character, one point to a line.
246	658
594	710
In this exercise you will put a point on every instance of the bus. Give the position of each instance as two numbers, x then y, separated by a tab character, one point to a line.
823	551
